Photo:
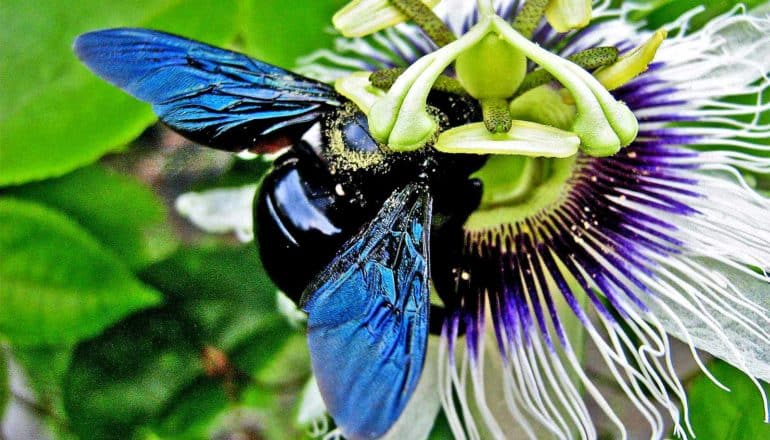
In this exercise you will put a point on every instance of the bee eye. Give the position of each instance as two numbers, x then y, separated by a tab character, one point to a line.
356	136
349	147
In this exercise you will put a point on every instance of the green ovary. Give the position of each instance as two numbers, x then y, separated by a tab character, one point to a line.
517	187
491	69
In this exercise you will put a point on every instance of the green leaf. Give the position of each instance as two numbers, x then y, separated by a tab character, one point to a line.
55	115
120	212
147	375
225	291
288	365
58	284
441	429
279	32
719	415
270	364
5	386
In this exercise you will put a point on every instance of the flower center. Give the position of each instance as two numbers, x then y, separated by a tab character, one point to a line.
517	188
534	123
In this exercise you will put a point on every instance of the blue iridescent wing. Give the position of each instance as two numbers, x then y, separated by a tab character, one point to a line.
213	96
368	317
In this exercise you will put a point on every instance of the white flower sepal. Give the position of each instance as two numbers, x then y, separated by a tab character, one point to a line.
221	210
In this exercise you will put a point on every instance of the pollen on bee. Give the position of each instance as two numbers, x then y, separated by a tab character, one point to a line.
339	190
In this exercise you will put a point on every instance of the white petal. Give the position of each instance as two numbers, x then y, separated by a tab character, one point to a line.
725	57
289	310
312	411
729	237
220	211
711	295
743	346
416	422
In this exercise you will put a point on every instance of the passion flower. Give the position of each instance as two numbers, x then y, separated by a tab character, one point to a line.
529	187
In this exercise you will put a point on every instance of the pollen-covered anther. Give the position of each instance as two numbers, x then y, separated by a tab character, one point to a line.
365	17
523	139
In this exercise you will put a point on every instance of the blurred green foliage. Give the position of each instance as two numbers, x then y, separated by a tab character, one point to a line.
720	415
133	223
56	116
85	248
5	386
59	284
120	335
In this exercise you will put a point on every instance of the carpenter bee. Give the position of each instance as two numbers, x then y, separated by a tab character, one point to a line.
349	229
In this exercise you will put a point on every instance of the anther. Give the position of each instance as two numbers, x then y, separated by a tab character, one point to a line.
427	20
631	64
384	79
588	59
529	16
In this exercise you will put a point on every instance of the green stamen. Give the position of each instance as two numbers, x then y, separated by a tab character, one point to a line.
523	139
490	61
485	8
497	117
357	88
528	18
400	119
427	20
588	59
384	79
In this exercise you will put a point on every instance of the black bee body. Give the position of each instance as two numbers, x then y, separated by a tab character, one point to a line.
353	231
322	191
